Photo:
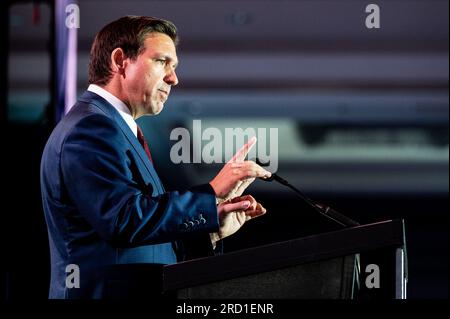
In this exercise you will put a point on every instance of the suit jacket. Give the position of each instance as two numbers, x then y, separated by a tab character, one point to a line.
105	205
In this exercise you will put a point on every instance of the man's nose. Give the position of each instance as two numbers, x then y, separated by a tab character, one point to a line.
171	78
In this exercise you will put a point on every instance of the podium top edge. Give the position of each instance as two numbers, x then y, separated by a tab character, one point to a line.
379	235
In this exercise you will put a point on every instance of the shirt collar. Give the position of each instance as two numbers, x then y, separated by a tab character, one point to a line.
121	107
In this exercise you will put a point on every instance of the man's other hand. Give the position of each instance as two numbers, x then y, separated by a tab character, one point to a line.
234	213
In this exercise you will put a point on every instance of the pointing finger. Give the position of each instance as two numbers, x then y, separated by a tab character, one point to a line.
242	153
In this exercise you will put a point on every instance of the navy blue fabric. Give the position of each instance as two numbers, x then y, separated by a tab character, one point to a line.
104	203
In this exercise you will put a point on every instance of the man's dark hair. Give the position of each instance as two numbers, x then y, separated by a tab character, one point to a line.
128	33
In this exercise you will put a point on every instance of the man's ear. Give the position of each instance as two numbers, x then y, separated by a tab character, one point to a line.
118	61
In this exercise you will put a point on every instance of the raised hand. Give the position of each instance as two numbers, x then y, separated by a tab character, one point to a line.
237	174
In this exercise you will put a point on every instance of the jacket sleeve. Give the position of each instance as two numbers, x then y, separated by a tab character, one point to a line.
102	182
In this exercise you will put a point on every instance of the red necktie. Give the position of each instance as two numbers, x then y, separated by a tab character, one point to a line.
143	142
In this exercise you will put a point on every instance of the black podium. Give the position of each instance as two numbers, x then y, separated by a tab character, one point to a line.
362	262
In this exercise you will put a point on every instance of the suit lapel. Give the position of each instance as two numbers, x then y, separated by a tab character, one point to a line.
108	109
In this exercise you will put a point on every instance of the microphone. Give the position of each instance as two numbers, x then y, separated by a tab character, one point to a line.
320	208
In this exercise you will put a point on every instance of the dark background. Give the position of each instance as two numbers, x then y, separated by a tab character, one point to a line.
310	68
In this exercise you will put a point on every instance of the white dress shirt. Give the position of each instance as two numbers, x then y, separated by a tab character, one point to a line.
118	105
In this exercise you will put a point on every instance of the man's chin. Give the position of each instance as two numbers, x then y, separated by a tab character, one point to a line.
155	110
158	109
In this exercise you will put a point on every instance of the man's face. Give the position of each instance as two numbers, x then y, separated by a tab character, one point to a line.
148	79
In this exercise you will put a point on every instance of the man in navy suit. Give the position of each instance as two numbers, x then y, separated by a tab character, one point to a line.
103	200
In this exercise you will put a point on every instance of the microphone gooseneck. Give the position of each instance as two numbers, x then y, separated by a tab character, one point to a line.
320	208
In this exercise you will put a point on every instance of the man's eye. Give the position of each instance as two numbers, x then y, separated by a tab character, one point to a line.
162	61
